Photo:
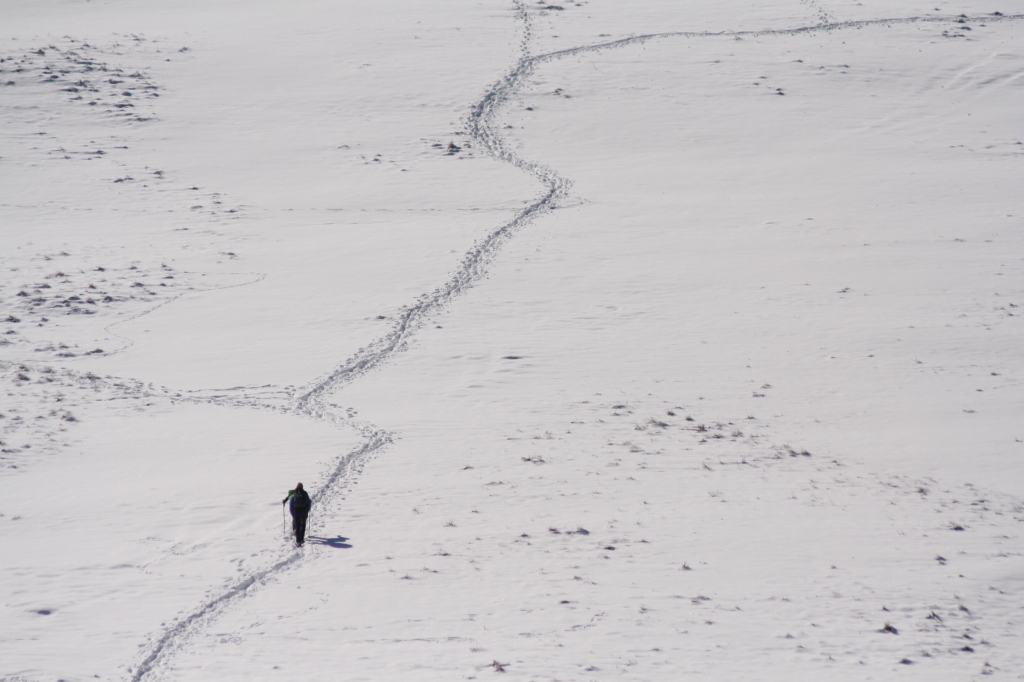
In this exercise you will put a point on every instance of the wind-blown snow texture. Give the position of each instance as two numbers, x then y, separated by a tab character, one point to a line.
862	552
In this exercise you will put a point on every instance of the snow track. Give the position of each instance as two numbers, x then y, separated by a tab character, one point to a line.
823	14
482	125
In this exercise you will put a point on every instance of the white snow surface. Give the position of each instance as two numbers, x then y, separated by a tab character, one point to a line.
614	340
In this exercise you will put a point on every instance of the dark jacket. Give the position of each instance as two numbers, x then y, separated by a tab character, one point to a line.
299	502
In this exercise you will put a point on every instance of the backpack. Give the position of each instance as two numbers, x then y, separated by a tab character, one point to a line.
300	503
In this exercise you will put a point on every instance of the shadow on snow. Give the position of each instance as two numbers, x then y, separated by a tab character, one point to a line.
338	542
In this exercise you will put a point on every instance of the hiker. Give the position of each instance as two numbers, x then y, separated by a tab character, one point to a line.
300	510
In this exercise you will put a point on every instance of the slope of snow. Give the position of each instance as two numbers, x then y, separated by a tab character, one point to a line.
614	340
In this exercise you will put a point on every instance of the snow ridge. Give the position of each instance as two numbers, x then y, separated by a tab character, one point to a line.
311	400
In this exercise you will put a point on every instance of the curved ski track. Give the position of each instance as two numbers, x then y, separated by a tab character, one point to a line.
310	400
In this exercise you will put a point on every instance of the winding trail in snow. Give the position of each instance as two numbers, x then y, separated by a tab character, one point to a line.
311	400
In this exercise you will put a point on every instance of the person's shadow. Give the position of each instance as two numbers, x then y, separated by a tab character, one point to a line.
337	542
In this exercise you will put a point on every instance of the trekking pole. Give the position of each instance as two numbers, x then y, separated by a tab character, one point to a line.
284	523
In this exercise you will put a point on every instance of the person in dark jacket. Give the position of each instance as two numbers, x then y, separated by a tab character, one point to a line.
299	507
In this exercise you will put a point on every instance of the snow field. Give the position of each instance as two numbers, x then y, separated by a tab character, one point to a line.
742	400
